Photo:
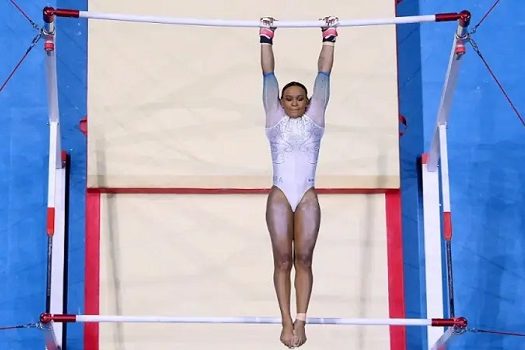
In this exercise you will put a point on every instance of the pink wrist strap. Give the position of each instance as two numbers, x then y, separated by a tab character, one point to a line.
266	32
330	32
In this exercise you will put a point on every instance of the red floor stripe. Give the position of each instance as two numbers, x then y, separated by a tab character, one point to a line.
92	275
396	285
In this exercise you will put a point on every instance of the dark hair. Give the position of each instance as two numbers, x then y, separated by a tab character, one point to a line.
294	83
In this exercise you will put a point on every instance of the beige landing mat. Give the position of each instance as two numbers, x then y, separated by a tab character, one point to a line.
202	255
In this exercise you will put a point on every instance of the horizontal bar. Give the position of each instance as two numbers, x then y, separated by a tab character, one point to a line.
252	23
45	318
195	190
50	12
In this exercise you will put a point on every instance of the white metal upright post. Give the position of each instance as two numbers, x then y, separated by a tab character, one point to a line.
436	197
56	203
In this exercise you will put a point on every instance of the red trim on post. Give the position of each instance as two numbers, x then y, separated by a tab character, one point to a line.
447	17
424	158
92	274
45	318
460	322
447	225
460	49
50	221
175	190
464	18
49	46
83	126
396	283
48	14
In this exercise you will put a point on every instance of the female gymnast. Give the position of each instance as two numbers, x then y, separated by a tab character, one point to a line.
294	128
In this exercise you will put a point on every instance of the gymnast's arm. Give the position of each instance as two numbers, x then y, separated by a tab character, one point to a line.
267	59
326	58
321	93
271	102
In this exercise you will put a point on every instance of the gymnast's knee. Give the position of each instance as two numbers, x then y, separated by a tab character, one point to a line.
283	262
303	261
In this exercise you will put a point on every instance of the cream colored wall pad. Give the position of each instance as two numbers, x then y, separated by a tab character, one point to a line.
175	106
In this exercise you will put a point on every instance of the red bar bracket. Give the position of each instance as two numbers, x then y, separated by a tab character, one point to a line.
49	13
46	318
464	18
458	322
447	17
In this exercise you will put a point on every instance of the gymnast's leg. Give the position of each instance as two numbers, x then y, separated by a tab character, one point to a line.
307	220
279	218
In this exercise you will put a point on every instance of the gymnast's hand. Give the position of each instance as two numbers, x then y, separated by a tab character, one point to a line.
267	30
330	29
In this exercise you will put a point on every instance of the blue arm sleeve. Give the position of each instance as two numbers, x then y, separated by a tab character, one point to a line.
272	106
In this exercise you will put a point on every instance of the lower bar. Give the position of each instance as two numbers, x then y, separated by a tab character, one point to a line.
45	318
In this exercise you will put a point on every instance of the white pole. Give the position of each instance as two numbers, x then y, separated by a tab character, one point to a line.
432	247
252	320
56	192
445	103
251	23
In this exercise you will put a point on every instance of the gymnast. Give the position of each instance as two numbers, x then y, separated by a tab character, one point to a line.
294	128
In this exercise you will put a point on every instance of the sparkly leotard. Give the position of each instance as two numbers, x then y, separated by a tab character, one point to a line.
295	142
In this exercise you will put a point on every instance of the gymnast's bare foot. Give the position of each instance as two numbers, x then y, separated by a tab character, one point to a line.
287	334
300	333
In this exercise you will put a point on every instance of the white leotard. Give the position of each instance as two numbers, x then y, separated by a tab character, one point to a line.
295	142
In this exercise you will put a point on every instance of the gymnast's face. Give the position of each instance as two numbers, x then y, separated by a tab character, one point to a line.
294	101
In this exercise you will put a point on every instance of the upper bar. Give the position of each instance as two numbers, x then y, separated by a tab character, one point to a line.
50	13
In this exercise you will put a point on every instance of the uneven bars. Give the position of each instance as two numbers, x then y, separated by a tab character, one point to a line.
49	14
434	322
